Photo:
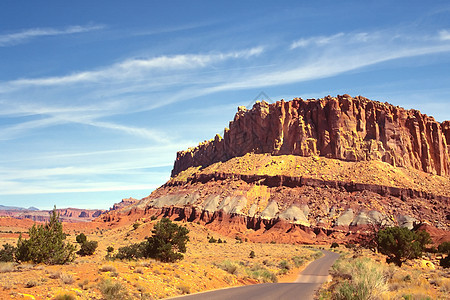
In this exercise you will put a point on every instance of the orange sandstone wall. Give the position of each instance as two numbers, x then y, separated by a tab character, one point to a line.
342	127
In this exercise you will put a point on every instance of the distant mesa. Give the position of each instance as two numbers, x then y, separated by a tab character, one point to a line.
66	214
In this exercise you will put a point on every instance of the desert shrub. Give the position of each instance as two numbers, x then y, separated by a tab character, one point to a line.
445	261
401	244
113	290
252	254
84	284
260	273
46	244
442	248
131	252
167	243
107	268
228	266
334	245
88	248
7	253
298	261
212	240
66	296
81	238
136	225
153	218
219	241
31	283
6	267
66	278
184	288
364	279
284	266
110	249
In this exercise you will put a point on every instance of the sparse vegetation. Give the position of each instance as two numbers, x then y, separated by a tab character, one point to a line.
46	244
252	254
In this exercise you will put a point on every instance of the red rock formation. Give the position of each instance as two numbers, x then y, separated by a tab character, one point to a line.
124	203
346	128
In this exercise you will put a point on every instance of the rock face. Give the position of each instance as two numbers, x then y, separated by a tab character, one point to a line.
342	127
124	203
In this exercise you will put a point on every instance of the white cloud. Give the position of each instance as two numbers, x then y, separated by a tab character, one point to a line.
137	68
12	39
444	35
317	41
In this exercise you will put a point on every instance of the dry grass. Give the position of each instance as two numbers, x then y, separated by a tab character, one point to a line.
108	268
6	267
368	277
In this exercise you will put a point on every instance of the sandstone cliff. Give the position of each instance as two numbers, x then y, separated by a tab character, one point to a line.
342	127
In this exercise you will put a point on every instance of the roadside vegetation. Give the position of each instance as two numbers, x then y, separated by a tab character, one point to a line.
402	268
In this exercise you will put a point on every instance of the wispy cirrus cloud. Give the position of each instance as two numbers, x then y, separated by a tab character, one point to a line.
11	39
317	40
137	68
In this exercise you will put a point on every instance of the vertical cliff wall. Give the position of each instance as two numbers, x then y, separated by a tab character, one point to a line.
342	127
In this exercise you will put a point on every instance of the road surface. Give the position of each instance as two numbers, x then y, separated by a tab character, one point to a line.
304	287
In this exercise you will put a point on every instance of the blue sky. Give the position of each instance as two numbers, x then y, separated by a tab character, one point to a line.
96	97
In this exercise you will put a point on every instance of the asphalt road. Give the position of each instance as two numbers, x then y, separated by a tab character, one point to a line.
304	287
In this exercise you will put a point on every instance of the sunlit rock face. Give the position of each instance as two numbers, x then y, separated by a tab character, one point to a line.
342	127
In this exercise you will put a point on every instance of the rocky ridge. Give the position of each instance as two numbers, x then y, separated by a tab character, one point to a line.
342	127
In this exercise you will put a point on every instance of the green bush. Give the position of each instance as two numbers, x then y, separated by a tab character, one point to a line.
81	238
212	240
401	244
167	243
252	254
7	253
334	245
88	248
46	244
444	248
132	252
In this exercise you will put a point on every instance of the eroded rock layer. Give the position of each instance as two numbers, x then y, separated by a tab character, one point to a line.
342	127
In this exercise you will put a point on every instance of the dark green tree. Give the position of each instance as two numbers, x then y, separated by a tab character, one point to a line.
168	241
401	244
46	244
81	238
87	247
444	248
